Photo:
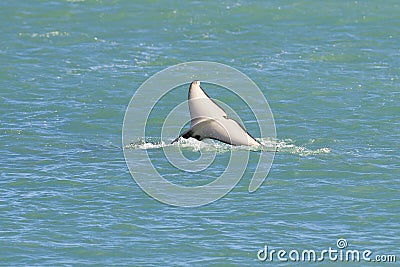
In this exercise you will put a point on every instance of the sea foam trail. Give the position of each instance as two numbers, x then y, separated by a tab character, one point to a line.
285	146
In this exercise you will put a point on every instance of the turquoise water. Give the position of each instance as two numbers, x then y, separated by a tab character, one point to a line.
330	71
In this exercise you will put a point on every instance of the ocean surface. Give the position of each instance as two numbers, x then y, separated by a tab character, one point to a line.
330	71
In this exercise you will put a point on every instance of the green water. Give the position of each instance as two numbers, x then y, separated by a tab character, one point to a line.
330	71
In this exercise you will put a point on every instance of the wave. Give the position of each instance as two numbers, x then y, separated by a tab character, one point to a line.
267	145
44	35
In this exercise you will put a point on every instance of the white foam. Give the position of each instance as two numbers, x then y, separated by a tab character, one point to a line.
289	146
46	34
282	146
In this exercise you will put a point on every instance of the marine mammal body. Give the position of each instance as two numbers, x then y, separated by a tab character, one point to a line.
208	120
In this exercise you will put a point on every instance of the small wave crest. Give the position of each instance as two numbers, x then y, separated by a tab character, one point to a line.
289	146
45	35
268	145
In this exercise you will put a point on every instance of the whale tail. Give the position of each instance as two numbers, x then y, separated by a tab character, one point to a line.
208	120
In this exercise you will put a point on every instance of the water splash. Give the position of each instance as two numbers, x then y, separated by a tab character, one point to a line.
282	146
141	143
289	146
